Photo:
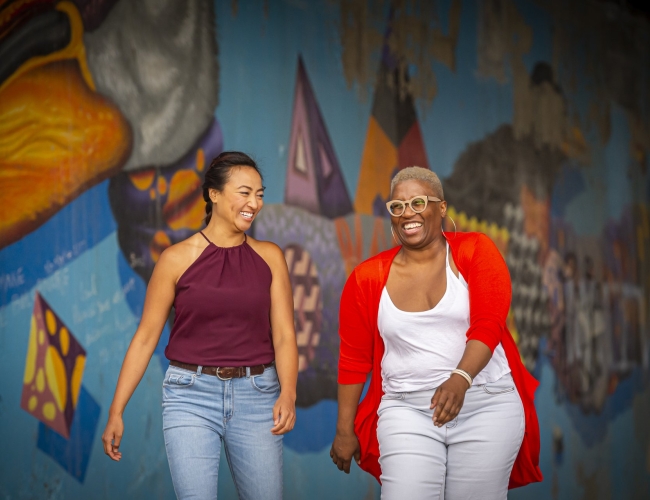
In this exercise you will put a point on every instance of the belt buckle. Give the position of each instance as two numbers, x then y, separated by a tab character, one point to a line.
220	377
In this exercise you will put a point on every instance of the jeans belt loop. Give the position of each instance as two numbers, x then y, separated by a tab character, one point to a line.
199	369
248	372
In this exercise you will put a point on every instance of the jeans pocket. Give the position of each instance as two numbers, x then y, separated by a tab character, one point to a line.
178	379
397	396
266	382
499	387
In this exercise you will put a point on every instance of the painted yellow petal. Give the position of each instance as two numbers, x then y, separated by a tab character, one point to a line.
77	374
64	339
56	377
32	350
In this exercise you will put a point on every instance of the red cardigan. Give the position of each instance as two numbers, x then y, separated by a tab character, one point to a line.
362	349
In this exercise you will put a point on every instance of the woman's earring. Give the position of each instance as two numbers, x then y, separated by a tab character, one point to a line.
393	233
454	223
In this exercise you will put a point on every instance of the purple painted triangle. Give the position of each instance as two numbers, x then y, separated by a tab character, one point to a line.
314	179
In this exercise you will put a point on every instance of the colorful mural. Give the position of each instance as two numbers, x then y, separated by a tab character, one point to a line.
534	114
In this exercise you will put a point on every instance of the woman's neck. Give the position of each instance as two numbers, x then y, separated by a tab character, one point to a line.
223	235
425	254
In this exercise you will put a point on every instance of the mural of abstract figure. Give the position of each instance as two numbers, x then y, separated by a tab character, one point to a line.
82	101
168	91
60	135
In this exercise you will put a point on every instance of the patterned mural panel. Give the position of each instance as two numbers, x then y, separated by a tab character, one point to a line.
53	370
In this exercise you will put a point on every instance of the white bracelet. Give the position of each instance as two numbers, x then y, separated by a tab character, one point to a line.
463	374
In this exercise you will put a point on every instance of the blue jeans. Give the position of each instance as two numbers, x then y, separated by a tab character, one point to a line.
200	412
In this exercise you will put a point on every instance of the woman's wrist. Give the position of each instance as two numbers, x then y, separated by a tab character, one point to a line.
115	413
345	428
288	394
465	375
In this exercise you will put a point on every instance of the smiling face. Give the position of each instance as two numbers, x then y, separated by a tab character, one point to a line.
417	230
241	199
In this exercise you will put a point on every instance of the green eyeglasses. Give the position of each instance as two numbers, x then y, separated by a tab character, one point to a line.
418	203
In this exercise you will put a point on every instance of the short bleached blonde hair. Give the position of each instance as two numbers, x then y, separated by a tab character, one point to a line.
418	174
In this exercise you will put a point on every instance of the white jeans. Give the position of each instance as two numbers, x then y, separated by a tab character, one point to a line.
470	457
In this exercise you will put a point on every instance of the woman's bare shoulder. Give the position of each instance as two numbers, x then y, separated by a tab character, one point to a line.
269	251
180	256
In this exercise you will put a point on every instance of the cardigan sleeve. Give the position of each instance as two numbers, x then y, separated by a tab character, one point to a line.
490	291
355	350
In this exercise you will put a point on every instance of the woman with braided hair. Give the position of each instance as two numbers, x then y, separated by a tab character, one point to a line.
232	349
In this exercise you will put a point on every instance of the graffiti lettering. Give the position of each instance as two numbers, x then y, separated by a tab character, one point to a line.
90	292
59	281
79	316
64	257
12	280
103	306
24	301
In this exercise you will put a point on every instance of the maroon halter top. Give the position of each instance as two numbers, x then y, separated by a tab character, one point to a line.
223	305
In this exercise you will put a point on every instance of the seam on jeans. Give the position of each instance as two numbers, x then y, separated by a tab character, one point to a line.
523	431
234	480
523	422
442	482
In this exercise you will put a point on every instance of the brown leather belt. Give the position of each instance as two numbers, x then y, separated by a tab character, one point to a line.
223	372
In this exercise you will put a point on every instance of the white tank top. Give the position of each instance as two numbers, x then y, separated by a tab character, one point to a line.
421	348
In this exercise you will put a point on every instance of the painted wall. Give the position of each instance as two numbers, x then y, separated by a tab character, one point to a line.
536	115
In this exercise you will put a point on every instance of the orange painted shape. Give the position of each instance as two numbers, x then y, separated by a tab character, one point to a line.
379	241
53	145
162	186
351	247
378	161
143	179
185	208
200	160
75	380
159	242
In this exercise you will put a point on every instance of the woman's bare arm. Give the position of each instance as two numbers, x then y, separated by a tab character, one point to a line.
346	444
158	302
284	339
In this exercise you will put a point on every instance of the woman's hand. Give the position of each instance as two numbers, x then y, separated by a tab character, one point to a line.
284	414
448	400
112	437
344	447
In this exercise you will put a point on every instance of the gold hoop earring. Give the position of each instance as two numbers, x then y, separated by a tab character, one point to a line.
453	222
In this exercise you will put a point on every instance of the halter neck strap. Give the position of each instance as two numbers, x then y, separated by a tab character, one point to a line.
206	238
